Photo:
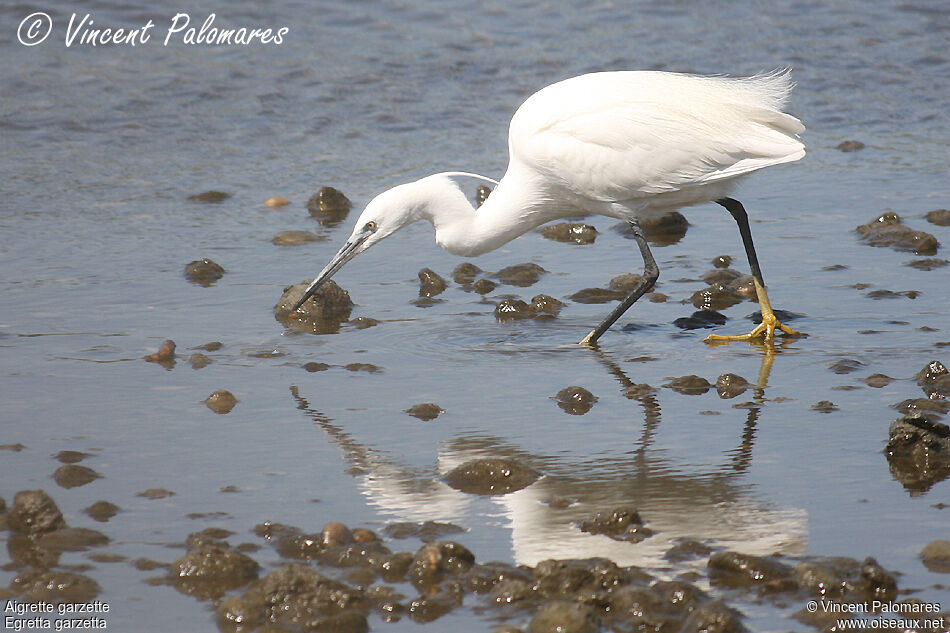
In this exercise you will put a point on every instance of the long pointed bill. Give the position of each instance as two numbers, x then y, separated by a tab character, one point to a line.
345	254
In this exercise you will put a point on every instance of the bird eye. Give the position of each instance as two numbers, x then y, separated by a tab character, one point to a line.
370	226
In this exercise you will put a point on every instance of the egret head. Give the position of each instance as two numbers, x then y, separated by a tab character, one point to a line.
384	215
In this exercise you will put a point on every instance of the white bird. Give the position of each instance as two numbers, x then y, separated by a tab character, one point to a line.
622	144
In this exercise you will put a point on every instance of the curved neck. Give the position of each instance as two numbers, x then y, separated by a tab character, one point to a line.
512	209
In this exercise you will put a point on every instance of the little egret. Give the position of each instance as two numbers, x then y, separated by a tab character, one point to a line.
624	144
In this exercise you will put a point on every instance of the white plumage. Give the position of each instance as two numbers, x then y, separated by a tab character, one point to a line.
620	144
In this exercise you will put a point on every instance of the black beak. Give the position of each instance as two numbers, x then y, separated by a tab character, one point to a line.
345	254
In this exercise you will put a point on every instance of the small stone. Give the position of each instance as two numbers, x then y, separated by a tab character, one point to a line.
430	283
165	354
276	202
850	146
74	475
521	275
575	400
155	493
329	206
425	412
210	196
203	272
570	232
199	360
484	286
221	401
102	511
691	385
936	556
731	385
824	406
940	217
296	238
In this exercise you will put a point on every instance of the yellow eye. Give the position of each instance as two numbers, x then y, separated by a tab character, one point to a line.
370	226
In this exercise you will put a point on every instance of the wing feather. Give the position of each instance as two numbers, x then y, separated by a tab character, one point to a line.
623	136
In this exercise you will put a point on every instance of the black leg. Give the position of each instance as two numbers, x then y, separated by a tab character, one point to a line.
650	274
735	208
769	323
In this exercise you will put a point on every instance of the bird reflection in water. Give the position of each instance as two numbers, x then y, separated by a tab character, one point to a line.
716	506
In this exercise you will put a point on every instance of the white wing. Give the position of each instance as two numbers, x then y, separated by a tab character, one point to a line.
623	136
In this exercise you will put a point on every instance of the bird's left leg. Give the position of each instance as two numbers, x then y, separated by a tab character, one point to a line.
770	323
650	274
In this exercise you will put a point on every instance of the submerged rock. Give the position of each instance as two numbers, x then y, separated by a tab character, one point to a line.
74	475
597	295
203	272
620	524
940	217
323	313
296	238
570	232
918	452
691	385
427	411
34	512
329	206
521	275
211	568
210	196
430	283
575	400
165	355
660	230
221	401
716	297
491	476
850	146
701	319
541	307
887	230
731	385
936	556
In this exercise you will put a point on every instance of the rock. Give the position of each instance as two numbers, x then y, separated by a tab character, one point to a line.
74	475
434	561
102	511
481	195
570	232
34	512
465	273
221	401
936	556
491	476
716	297
430	283
597	295
575	400
425	412
691	385
743	570
918	453
165	355
210	196
296	238
850	146
661	230
731	385
620	524
521	275
934	379
940	217
701	319
323	313
210	569
276	202
563	617
203	272
887	230
329	206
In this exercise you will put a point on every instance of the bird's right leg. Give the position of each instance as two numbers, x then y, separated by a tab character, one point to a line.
650	274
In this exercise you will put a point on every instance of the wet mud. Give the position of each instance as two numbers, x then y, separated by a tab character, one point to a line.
344	579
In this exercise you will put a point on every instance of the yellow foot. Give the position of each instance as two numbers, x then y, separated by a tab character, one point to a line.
764	330
588	340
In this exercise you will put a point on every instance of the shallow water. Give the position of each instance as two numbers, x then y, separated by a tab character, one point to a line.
101	148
